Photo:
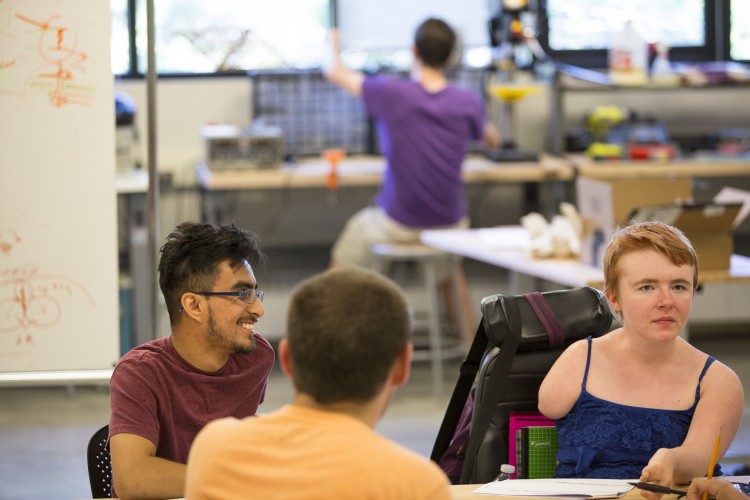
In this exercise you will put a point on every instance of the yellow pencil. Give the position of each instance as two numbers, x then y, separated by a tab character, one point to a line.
712	465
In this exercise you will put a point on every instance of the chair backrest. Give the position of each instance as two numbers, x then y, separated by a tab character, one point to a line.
519	395
519	339
99	464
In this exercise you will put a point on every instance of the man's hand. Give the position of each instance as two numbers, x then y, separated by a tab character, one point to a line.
338	74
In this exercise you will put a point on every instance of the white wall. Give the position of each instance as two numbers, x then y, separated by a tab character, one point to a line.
184	105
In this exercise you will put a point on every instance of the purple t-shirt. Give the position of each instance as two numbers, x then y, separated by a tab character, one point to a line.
424	138
156	394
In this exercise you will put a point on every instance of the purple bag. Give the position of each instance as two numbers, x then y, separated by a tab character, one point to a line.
452	460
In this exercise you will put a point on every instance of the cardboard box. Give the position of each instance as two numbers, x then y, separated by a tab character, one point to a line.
708	226
604	205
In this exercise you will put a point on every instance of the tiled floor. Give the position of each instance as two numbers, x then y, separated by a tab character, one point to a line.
44	431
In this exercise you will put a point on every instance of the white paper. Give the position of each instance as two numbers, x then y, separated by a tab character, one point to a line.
510	238
562	488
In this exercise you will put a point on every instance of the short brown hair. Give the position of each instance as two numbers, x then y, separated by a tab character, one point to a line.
345	329
665	239
434	41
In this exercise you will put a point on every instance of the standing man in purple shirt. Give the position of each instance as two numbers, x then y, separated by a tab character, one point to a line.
425	126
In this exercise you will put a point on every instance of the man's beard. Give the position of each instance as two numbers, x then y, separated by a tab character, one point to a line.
221	337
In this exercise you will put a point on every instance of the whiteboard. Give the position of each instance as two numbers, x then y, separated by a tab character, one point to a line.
58	235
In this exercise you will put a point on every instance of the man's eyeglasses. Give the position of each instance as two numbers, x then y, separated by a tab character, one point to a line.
246	296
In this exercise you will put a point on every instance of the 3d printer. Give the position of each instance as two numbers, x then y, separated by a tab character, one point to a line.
514	47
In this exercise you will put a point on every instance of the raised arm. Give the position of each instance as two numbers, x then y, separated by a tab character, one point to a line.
138	473
338	74
719	409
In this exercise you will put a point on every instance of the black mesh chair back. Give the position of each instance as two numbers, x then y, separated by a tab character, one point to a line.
99	464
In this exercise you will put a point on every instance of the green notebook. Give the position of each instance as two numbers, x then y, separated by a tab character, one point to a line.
542	452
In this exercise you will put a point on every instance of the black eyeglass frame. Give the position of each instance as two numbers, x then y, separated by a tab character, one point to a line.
248	296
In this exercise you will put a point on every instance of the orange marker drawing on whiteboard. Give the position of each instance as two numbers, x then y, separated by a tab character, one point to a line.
58	49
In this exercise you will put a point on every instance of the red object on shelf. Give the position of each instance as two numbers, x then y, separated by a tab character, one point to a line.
651	152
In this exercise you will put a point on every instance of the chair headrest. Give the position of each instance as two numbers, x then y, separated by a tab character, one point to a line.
581	312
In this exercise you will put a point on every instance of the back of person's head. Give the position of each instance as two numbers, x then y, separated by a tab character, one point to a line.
345	329
192	255
434	41
665	239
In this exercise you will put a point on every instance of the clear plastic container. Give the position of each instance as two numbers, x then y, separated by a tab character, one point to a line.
628	57
661	70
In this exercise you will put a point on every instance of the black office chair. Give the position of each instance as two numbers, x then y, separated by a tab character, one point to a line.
99	463
517	342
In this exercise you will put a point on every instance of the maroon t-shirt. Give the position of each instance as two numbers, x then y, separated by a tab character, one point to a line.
156	394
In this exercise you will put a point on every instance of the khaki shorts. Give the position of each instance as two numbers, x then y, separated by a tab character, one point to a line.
370	226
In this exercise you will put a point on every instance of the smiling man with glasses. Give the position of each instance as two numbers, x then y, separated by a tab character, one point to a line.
213	365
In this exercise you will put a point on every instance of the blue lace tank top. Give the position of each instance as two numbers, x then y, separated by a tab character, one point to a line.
601	439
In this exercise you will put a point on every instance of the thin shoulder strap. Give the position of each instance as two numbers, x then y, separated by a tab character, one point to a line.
709	362
589	339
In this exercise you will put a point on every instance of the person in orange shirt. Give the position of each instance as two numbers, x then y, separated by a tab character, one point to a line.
347	350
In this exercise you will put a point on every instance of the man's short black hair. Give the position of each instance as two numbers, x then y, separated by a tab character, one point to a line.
434	41
192	255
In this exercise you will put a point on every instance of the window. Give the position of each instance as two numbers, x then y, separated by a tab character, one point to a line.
739	33
120	44
379	34
589	25
223	36
578	31
231	36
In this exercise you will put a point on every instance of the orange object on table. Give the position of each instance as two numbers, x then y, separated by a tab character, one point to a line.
333	157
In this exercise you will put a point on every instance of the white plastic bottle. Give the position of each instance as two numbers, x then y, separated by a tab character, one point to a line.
628	57
506	471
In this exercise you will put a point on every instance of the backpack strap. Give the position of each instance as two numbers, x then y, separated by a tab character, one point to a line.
499	375
549	320
468	373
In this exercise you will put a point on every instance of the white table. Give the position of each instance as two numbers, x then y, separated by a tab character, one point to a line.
722	297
